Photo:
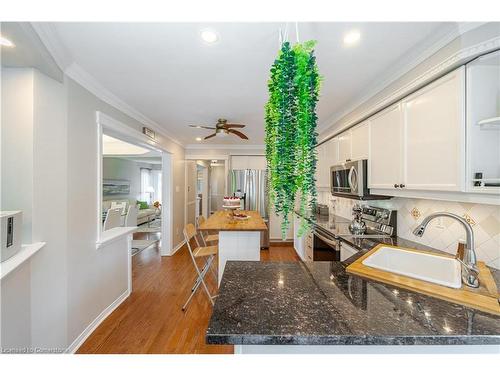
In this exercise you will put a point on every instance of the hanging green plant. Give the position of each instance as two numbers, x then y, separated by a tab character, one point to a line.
291	132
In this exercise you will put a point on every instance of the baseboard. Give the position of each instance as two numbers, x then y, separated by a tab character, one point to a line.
95	323
179	245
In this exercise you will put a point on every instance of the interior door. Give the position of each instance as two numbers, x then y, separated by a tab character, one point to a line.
386	149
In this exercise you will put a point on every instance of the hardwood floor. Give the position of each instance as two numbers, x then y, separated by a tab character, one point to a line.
151	320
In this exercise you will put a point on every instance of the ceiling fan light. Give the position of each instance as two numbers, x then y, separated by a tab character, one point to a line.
221	132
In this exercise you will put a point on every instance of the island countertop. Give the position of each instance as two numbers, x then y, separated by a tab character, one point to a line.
318	303
221	220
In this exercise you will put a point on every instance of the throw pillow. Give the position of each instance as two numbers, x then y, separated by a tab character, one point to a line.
143	205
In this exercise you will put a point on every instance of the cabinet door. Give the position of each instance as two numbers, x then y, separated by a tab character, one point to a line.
359	142
298	242
385	151
322	168
344	141
434	135
331	154
319	162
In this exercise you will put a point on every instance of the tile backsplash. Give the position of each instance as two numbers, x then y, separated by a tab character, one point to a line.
442	233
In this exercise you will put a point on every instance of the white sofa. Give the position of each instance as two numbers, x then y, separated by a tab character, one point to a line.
143	215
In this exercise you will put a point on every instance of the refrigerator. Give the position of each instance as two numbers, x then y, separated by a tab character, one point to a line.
251	186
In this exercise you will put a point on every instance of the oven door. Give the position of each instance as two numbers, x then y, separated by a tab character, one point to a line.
325	247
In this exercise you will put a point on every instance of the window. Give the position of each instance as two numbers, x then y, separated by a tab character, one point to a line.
156	174
146	185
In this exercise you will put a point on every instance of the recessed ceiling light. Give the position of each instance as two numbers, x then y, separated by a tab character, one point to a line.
198	139
209	36
6	42
352	37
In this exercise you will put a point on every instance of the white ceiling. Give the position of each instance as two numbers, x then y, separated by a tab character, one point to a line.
166	72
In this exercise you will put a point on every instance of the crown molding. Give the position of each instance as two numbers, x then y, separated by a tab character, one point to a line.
81	76
48	34
223	147
439	69
396	72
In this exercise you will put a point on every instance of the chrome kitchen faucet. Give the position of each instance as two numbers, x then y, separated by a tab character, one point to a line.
470	272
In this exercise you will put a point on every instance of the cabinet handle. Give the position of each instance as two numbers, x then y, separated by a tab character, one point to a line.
396	186
347	160
401	185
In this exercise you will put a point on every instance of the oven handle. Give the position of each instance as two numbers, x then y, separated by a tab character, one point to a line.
329	242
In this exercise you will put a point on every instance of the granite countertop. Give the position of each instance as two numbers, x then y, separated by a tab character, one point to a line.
318	303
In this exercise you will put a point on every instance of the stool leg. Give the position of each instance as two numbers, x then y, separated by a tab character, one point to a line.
202	282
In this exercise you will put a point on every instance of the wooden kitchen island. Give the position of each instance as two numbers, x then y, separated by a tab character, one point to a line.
238	239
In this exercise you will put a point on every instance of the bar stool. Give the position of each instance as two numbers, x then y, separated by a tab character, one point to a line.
205	237
206	252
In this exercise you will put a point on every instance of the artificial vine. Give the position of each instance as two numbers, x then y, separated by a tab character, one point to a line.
291	132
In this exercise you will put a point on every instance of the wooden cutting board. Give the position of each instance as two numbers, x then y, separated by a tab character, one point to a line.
484	298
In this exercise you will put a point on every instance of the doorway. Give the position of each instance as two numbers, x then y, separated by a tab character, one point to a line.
206	185
134	171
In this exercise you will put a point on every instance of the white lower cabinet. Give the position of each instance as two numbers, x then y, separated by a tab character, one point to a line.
298	242
303	245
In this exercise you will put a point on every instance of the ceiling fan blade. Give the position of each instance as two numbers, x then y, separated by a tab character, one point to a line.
238	133
202	127
210	136
234	126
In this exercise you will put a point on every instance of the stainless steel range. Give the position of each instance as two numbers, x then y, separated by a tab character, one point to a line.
380	224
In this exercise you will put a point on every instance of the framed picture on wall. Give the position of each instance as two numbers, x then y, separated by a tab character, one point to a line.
115	187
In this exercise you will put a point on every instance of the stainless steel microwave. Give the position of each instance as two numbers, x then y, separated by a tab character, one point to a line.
350	180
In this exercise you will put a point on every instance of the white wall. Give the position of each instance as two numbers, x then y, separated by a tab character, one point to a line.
17	144
89	270
49	134
34	180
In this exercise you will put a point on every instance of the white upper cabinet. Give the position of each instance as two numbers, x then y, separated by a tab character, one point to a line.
332	152
434	135
327	156
344	142
322	167
385	162
360	141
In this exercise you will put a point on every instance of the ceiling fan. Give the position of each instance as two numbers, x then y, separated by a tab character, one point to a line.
222	128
